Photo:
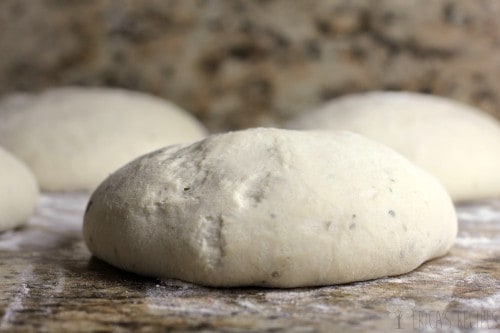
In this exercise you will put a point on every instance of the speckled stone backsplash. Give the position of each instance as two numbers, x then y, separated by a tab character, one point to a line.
240	63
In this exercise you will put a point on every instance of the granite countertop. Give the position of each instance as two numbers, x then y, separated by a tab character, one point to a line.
49	282
238	64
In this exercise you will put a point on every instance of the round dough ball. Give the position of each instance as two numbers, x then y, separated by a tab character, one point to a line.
73	138
268	207
457	143
18	192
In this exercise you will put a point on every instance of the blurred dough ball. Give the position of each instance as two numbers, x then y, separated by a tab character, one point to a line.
72	138
18	192
459	144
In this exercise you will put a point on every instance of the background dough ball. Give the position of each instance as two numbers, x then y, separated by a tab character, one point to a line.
18	192
270	207
73	138
457	143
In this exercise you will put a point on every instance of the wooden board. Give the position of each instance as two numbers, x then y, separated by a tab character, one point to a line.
49	282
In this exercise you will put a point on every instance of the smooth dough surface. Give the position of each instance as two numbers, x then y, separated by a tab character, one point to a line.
456	142
18	192
269	207
72	138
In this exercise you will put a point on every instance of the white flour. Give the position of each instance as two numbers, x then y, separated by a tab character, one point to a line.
58	217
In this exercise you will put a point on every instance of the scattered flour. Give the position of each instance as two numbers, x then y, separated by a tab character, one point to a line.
16	301
57	219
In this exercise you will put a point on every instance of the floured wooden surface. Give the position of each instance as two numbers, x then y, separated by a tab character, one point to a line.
49	282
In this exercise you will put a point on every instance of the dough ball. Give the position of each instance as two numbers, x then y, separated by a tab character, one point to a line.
73	138
18	192
457	143
268	207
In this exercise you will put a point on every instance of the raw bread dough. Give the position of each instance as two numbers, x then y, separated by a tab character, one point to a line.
457	143
73	138
18	192
270	207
